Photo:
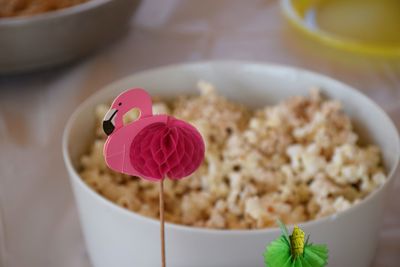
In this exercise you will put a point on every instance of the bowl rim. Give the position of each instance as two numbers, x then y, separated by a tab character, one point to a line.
336	41
63	12
75	177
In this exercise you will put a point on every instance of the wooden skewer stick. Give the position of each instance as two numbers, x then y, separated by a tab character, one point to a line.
162	231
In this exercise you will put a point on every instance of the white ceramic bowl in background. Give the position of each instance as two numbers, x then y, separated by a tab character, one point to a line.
43	40
117	237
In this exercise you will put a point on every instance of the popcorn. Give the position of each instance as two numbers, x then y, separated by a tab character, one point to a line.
254	208
13	8
297	161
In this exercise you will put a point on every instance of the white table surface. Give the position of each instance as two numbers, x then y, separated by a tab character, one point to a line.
41	227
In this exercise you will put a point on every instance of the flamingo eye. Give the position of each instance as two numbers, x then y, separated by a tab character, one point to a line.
119	104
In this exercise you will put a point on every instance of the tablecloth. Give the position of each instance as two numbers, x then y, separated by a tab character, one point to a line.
40	224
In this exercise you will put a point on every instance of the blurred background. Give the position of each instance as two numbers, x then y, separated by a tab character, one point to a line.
49	63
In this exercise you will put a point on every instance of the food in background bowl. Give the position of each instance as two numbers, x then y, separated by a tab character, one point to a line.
63	35
296	161
14	8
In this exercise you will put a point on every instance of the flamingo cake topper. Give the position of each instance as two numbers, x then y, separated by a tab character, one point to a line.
153	147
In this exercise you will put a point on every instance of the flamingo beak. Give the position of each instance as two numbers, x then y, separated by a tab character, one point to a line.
109	121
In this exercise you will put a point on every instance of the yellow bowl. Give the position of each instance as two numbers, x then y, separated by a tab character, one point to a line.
295	10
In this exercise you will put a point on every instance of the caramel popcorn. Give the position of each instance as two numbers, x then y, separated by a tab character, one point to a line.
13	8
297	161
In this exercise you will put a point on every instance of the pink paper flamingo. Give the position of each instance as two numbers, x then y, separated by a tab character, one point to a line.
154	146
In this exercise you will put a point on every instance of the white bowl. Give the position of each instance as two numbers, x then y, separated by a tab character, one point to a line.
33	42
117	237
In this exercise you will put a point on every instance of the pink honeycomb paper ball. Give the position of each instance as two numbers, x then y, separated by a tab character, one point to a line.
174	149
